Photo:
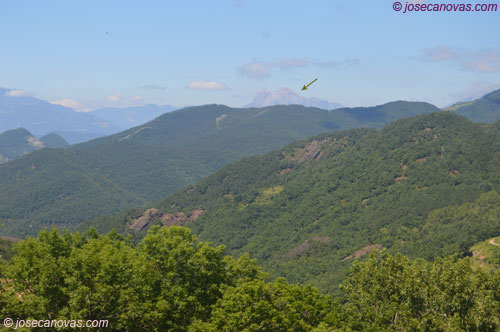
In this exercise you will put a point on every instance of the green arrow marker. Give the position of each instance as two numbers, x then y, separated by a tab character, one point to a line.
306	86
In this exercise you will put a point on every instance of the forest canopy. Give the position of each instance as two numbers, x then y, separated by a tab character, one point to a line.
170	281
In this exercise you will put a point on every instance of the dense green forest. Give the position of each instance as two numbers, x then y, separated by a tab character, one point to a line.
67	186
426	187
18	142
172	282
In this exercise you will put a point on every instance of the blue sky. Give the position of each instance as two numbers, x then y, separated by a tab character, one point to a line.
91	54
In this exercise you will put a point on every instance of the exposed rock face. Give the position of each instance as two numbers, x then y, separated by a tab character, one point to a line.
180	218
309	152
315	149
147	217
168	219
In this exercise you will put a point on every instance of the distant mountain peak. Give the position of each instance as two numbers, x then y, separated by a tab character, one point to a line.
286	96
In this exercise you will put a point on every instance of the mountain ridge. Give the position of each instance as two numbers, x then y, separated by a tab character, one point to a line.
485	109
302	211
18	142
145	163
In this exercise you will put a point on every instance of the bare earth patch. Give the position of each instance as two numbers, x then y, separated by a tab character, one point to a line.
400	179
363	251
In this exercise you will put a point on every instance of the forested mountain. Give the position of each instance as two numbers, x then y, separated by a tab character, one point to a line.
17	142
485	109
426	186
145	163
53	141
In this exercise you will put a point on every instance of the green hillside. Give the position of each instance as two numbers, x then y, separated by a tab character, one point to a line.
53	141
423	186
107	175
485	109
18	142
486	254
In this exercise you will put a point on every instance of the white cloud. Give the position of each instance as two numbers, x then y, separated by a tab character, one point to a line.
115	97
486	61
439	53
326	64
153	87
255	69
261	69
71	104
18	93
206	85
137	99
291	63
483	61
333	63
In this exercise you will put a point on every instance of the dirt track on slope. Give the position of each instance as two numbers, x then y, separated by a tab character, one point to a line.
492	242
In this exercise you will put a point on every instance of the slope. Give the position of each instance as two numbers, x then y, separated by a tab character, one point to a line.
308	210
147	162
54	141
485	109
17	142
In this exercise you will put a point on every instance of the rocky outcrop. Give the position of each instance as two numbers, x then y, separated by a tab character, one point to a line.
167	219
147	217
315	149
180	218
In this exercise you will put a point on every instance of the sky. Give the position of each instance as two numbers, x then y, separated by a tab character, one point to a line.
92	54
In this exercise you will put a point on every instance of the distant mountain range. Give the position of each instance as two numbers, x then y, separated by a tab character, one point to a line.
41	117
64	187
18	142
285	96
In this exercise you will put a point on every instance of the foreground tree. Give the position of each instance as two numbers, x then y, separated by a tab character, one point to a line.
277	306
172	282
392	293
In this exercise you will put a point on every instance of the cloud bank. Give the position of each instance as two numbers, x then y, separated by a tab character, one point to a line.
18	93
257	69
153	87
485	61
206	85
70	103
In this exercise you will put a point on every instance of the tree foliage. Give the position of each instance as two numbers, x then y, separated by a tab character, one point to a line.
172	282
